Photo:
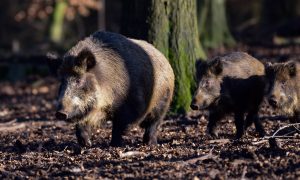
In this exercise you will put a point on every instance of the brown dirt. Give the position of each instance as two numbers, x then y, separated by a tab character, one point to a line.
33	144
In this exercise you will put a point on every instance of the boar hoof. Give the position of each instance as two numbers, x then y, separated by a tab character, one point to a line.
83	137
85	142
151	141
212	134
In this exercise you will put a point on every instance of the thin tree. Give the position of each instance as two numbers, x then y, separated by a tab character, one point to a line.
213	26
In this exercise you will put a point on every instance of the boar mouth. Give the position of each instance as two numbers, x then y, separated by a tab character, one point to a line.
204	107
273	105
75	116
207	106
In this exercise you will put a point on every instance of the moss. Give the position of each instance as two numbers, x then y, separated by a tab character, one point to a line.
174	31
159	26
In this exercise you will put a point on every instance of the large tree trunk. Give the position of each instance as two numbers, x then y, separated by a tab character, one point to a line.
173	30
213	26
171	26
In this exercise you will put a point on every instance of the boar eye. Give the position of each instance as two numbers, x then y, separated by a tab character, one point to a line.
79	82
283	83
207	84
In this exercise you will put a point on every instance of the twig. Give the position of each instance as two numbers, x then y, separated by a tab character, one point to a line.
202	158
282	137
220	141
297	128
244	173
132	153
9	122
289	125
280	140
11	127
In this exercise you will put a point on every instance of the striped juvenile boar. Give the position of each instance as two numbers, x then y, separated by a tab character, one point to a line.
109	77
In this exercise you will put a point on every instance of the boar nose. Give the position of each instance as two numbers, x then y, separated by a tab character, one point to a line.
272	101
61	115
194	106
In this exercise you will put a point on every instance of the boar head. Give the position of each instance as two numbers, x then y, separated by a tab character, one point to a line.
282	79
209	79
77	94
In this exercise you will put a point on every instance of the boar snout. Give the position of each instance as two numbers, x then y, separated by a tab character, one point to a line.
61	115
272	101
194	106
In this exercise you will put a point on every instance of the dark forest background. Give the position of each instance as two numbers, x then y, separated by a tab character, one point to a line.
184	30
27	26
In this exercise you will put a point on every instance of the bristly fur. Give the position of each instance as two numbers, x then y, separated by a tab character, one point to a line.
285	87
125	83
233	83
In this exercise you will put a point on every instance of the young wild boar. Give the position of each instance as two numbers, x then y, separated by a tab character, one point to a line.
284	92
233	83
109	77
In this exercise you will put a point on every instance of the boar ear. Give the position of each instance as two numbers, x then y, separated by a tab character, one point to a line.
217	66
86	59
200	63
291	66
268	68
53	61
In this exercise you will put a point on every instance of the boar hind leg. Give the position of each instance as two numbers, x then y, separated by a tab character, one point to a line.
253	118
83	134
151	124
153	120
150	135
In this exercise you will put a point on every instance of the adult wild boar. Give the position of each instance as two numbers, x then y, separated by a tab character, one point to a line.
284	92
107	76
233	83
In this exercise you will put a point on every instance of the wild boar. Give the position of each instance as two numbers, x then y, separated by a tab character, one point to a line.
284	92
107	76
233	83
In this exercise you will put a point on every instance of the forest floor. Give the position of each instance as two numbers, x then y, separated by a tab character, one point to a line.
34	144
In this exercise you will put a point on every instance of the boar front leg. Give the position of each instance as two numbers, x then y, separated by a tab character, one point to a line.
83	134
239	124
117	133
214	117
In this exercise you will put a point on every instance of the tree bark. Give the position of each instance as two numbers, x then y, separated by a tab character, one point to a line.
173	30
171	26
